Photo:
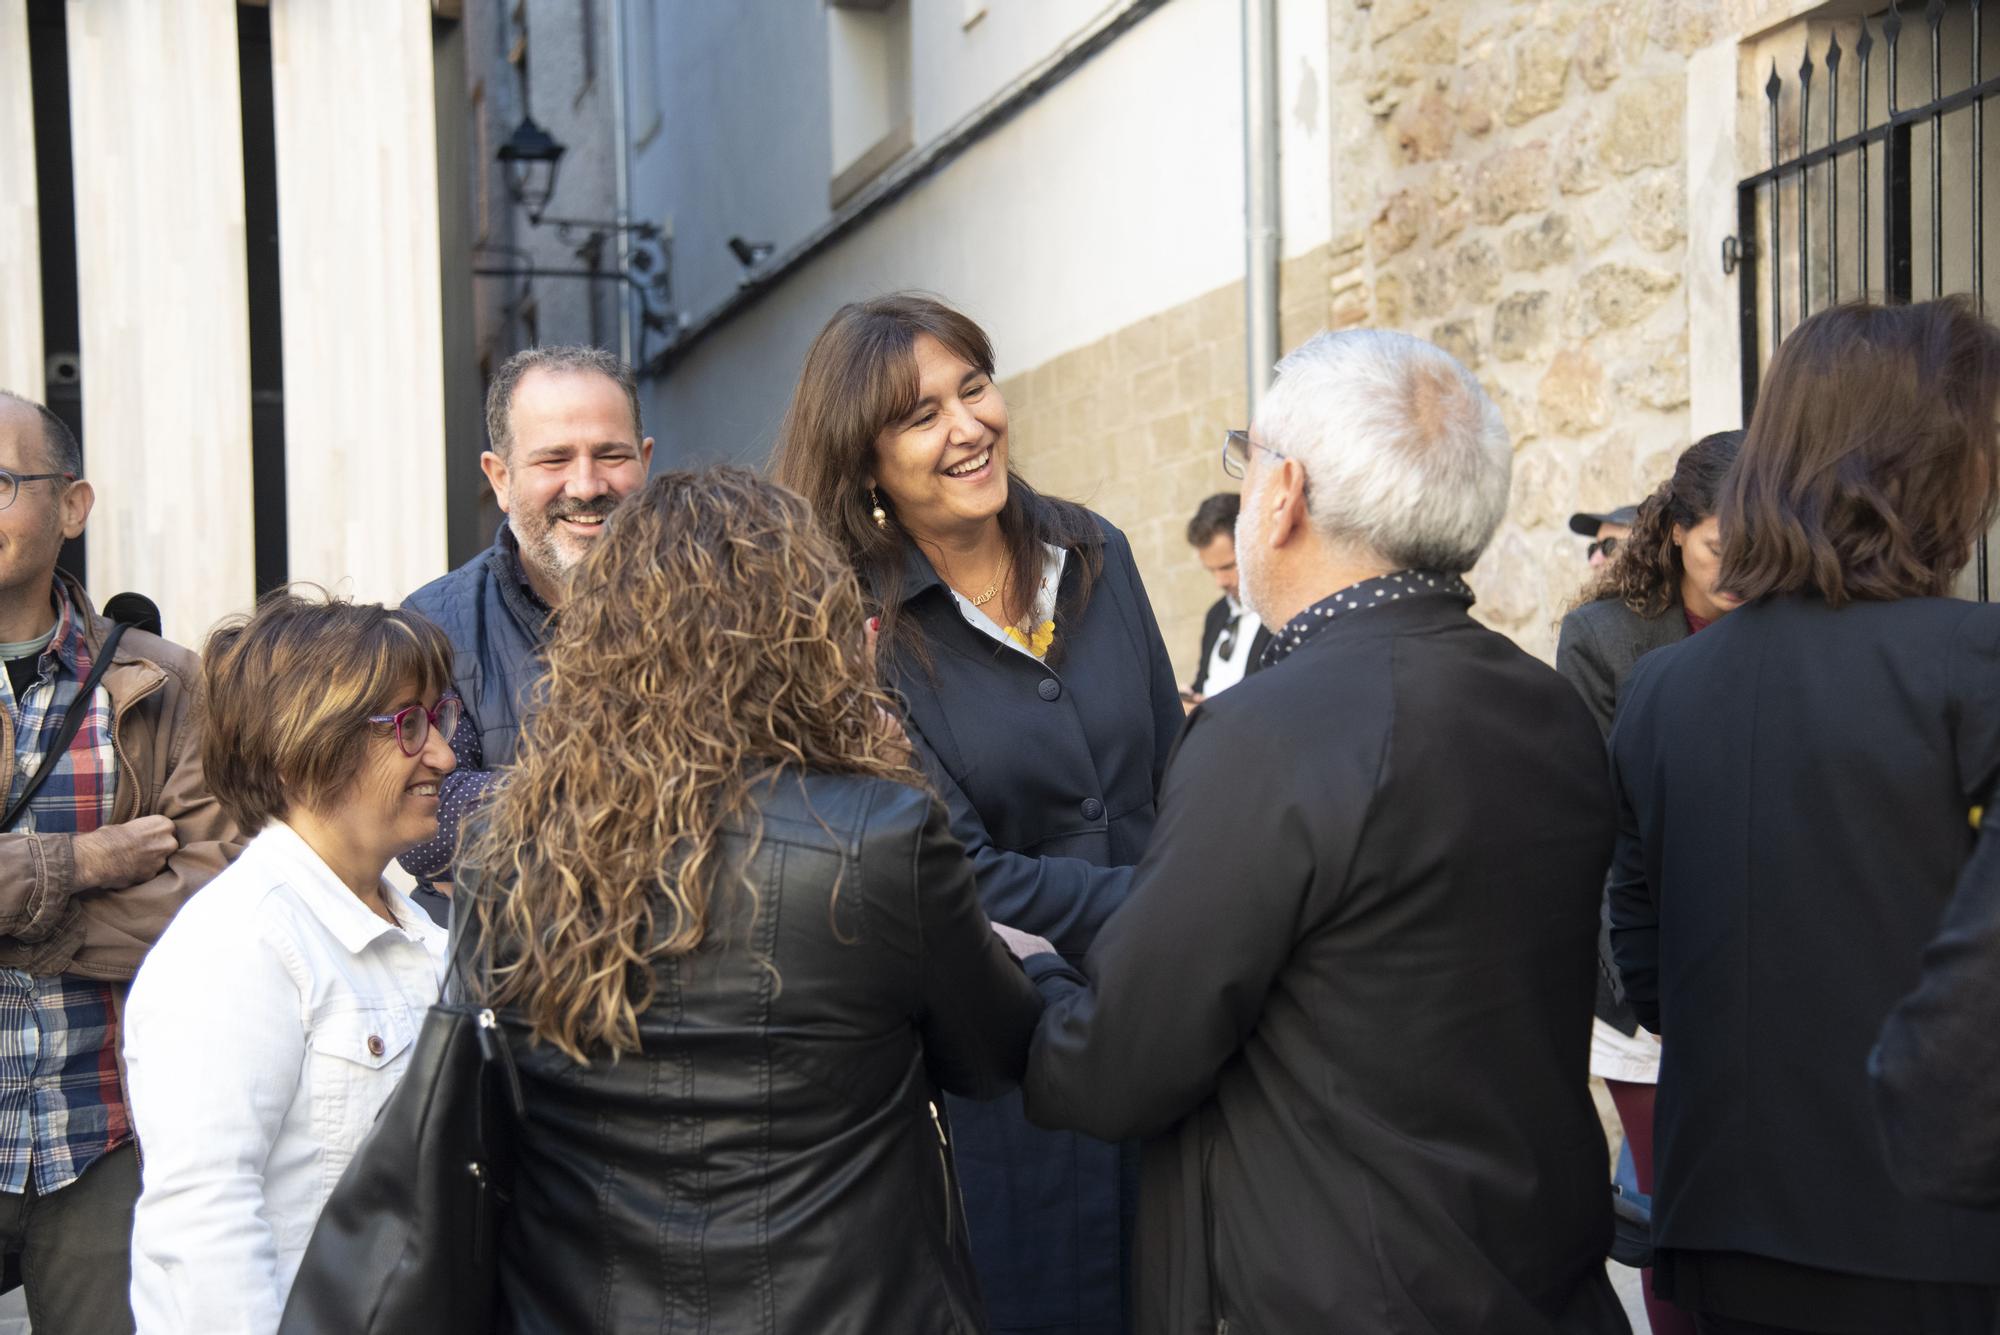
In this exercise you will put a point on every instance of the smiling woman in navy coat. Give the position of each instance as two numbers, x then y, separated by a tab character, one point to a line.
1040	698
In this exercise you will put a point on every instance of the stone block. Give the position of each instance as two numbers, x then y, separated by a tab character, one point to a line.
1389	301
1460	338
1646	128
1512	181
1422	128
1659	379
1388	17
1579	156
1622	294
1597	50
1604	480
1657	217
1541	75
1475	270
1397	227
1155	391
1430	286
1685	26
1507	581
1536	245
1524	326
1477	91
1516	413
1572	395
1140	344
1542	486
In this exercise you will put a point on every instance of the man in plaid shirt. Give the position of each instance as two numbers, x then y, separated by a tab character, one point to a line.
115	840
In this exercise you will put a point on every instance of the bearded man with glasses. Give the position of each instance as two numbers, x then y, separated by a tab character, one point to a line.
116	837
565	447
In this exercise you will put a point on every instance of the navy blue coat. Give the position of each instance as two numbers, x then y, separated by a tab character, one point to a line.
1050	772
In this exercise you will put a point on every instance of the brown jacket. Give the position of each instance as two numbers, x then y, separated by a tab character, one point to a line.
47	925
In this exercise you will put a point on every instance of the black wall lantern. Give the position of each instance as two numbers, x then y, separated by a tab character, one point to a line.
531	156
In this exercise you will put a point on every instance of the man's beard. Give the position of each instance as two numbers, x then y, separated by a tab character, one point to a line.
543	544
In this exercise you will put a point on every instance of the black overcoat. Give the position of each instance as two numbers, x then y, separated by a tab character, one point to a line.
1348	1000
1795	784
1050	772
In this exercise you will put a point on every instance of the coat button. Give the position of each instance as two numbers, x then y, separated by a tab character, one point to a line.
1092	808
1050	688
375	1045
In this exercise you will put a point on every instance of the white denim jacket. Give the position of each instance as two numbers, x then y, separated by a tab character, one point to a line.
263	1034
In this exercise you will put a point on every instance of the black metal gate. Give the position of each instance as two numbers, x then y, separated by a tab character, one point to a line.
1884	192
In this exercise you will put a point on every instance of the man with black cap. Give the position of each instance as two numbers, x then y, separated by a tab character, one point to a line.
1605	531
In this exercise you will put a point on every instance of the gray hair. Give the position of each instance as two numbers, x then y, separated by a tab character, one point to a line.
1403	451
500	394
64	451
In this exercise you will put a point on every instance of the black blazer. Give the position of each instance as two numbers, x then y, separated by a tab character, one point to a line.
1348	1000
1936	1070
1794	786
772	1159
1050	771
1211	631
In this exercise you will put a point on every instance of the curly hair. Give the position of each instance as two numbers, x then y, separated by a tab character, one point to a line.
1646	573
712	640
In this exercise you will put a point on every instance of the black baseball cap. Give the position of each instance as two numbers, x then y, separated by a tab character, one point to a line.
1588	524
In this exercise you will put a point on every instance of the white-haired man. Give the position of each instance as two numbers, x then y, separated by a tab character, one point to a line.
1347	1003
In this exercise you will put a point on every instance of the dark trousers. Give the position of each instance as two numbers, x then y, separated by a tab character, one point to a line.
74	1248
1722	1325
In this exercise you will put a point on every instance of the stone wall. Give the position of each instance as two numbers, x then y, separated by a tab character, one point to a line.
1509	182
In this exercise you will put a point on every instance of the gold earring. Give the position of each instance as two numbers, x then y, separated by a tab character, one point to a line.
878	514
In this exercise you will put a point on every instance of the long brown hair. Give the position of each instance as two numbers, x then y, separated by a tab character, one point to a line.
1871	464
1646	573
711	640
859	378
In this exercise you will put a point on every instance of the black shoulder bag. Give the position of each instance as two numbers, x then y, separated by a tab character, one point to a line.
72	720
408	1242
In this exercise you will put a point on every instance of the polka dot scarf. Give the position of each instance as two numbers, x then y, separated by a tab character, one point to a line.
1357	598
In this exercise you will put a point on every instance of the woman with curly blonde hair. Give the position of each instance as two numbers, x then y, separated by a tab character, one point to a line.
736	950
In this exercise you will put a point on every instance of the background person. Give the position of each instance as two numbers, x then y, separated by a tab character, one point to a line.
565	446
277	1013
122	832
1354	1042
1233	640
1659	589
1794	785
738	951
1019	639
1605	531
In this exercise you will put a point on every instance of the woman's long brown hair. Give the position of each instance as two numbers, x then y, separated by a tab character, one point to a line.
859	378
1646	573
711	640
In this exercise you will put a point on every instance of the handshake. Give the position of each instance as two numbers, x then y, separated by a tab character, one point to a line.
113	857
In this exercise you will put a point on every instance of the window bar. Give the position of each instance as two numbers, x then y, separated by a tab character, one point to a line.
1935	13
1895	176
1861	49
1833	171
1805	182
1979	225
1771	91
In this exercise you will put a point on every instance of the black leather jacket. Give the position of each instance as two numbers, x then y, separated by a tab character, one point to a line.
776	1159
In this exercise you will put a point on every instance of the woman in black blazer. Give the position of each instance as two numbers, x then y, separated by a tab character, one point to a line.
1037	690
1658	590
1794	788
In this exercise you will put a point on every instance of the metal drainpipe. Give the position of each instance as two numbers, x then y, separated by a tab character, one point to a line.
1261	232
622	175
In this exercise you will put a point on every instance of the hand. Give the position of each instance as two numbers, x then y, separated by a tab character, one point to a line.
1022	944
115	856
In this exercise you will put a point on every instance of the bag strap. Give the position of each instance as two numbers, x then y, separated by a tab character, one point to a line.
72	720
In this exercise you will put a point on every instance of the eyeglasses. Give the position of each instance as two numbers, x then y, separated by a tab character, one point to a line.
413	723
10	483
1602	547
1236	446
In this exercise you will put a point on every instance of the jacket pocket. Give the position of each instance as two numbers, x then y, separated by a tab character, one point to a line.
354	1057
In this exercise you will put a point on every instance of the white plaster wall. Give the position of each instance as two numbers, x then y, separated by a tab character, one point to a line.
155	113
1117	195
1305	146
958	69
20	230
363	322
868	77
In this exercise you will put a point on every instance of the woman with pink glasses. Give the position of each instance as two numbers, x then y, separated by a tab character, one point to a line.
277	1012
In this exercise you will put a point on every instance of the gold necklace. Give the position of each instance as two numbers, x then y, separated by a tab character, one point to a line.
987	596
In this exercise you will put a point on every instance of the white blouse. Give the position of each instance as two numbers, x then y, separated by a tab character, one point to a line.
263	1034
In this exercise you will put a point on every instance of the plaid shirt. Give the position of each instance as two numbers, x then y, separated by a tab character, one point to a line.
61	1105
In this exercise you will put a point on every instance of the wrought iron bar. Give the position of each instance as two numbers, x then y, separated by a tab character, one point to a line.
1989	89
1771	90
1935	13
1746	298
1862	49
1833	170
1979	235
1895	173
1805	182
